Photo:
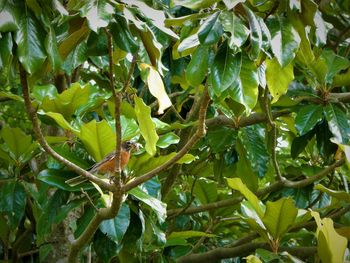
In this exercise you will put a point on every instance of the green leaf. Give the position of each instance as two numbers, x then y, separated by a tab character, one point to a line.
9	95
225	69
340	195
53	212
188	44
279	216
255	34
167	139
122	36
94	136
57	178
338	123
98	13
68	101
16	140
232	24
252	138
39	92
145	163
61	121
12	202
147	127
308	116
116	227
129	128
244	89
30	41
6	45
198	66
10	13
189	234
156	205
205	190
52	50
331	246
104	247
194	4
278	78
285	40
237	184
211	30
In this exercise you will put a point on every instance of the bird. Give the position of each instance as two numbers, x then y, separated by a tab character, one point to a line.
107	164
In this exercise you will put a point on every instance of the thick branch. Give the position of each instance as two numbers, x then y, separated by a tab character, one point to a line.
101	215
40	137
243	250
201	130
260	193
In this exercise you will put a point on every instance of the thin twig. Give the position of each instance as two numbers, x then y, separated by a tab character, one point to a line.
272	124
89	198
201	131
117	102
41	139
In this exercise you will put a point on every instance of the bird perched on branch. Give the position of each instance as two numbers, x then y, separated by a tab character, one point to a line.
107	164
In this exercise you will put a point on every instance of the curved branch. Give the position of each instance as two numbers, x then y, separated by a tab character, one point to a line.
262	192
41	139
201	131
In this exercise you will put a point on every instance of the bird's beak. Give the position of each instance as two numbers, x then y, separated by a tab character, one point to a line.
136	146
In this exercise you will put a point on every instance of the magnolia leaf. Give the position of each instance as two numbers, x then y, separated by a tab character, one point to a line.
61	121
340	195
156	87
308	116
237	184
331	246
98	13
278	78
189	234
156	205
198	66
338	123
279	216
94	136
147	126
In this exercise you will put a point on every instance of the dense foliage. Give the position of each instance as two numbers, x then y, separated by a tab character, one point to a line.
241	108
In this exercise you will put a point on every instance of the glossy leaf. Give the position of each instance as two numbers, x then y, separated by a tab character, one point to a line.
330	245
104	247
156	205
61	121
156	87
167	139
285	40
338	123
116	227
16	140
122	36
237	184
52	50
152	47
30	41
94	136
9	16
253	140
205	190
147	126
12	202
198	66
308	116
68	101
278	78
255	34
232	24
98	13
244	88
194	4
211	30
340	195
225	69
57	178
279	216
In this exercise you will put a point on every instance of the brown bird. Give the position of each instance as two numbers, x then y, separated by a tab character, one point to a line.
107	164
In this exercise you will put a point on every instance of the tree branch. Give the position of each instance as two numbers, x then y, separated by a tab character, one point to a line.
262	192
201	131
41	139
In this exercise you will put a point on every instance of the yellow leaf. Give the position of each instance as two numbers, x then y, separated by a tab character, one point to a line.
156	87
